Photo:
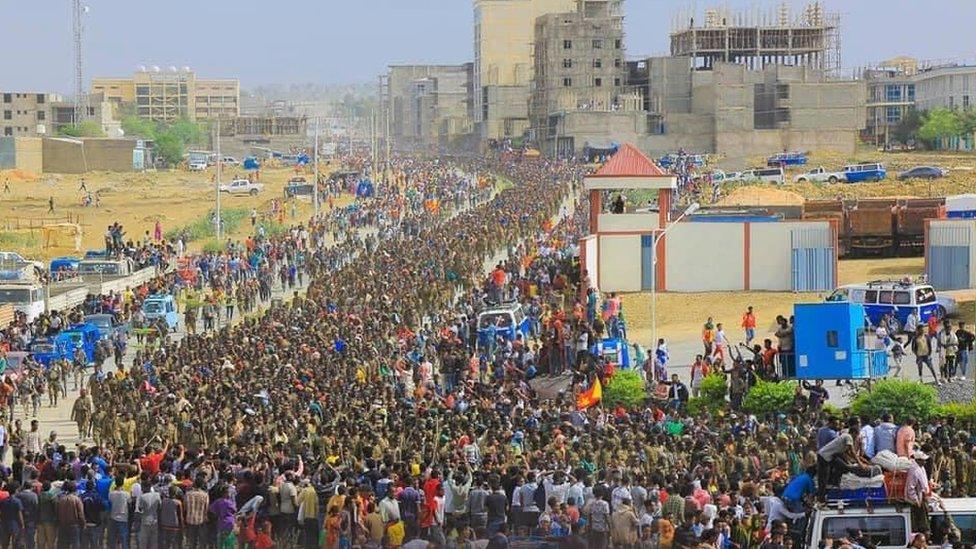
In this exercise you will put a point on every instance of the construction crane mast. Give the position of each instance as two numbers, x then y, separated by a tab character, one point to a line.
76	13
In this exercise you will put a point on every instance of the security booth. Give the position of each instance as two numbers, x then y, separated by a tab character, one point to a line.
833	341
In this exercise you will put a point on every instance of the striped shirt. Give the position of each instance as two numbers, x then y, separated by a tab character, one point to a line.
197	503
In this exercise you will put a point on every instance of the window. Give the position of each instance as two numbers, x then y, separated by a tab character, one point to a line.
142	90
911	92
965	101
567	63
8	115
598	82
7	98
618	43
902	298
951	102
598	63
924	295
893	92
616	81
597	44
40	115
892	115
8	131
885	296
40	98
832	339
567	44
617	62
881	530
782	91
567	82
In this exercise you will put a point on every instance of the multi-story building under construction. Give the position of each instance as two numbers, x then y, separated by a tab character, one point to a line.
167	95
758	39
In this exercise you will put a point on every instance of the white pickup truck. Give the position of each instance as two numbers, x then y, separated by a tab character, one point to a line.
820	175
242	186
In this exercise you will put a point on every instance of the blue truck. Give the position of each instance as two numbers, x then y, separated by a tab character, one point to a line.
65	343
506	320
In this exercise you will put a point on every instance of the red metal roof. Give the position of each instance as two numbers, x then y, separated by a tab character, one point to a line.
630	162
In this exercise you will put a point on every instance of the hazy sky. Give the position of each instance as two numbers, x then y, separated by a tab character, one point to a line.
340	41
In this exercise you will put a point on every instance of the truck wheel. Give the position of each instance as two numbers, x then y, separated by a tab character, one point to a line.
832	179
253	192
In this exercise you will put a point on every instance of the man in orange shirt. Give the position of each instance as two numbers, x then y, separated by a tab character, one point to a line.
497	283
749	324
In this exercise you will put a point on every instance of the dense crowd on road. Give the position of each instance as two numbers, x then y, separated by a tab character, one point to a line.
368	412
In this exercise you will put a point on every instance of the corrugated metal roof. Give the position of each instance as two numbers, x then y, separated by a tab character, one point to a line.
630	162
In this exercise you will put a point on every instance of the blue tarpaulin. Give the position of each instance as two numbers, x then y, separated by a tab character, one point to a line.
251	163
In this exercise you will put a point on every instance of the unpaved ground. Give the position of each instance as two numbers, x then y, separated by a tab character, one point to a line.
680	315
137	200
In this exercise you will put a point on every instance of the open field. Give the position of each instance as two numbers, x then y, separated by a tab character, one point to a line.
680	315
961	179
137	200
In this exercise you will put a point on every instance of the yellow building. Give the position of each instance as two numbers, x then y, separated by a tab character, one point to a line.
166	95
504	31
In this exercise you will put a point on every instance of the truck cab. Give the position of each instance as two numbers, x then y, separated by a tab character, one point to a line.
887	526
161	307
105	267
80	336
25	296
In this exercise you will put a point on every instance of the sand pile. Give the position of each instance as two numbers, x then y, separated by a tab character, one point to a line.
18	175
758	195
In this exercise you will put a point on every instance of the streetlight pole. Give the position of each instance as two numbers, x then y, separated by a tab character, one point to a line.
690	210
315	183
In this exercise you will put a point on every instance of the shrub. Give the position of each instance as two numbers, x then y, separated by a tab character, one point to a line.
625	389
767	397
962	411
697	405
713	389
903	399
832	411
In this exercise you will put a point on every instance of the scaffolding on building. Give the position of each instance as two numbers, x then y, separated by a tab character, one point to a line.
759	38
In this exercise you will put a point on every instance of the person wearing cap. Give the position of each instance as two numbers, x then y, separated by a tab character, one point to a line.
917	485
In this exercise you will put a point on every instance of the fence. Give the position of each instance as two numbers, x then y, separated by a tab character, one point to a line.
36	223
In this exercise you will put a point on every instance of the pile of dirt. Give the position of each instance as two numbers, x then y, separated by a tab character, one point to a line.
18	175
758	195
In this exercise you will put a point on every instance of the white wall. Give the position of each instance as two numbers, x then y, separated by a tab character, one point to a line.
620	263
704	257
591	265
771	253
644	222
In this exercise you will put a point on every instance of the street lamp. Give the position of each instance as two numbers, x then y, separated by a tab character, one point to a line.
688	211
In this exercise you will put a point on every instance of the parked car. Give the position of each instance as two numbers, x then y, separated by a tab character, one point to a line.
765	175
229	161
856	173
161	307
242	186
820	175
793	158
298	186
897	298
923	172
197	166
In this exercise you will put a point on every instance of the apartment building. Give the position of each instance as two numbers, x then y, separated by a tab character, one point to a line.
167	95
504	32
579	65
26	114
428	105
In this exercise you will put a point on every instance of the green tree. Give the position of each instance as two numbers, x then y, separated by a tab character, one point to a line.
907	128
169	147
134	126
766	397
940	124
190	133
85	128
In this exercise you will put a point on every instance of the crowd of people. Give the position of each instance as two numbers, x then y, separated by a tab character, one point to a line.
373	411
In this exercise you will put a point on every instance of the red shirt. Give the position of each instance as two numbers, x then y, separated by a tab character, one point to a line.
151	462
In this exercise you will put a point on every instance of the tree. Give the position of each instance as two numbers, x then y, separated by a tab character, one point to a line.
134	126
85	128
902	399
767	397
940	124
169	147
907	128
190	133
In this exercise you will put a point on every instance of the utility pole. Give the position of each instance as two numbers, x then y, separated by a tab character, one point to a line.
220	161
315	184
389	142
76	12
372	140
